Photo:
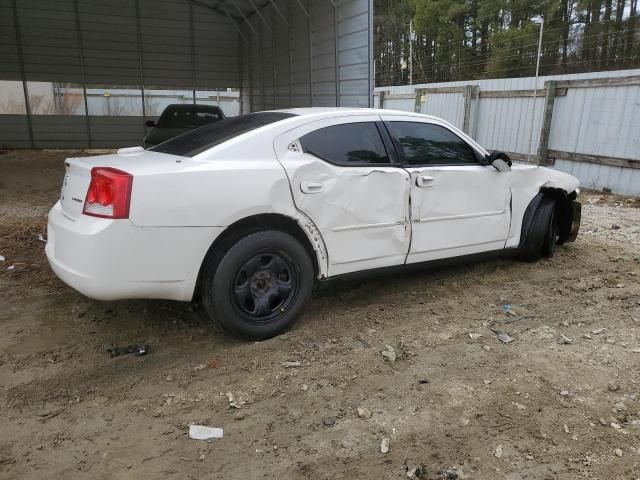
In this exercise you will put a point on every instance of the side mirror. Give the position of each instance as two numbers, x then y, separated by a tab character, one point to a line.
500	165
499	160
150	123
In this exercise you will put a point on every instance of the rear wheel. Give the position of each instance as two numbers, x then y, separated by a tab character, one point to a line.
260	285
543	235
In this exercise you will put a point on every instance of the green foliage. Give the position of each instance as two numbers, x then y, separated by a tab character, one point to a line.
465	39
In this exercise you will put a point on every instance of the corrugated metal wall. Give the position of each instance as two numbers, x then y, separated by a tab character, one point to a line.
279	53
317	55
598	120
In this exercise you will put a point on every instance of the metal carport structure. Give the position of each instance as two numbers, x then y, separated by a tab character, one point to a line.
276	53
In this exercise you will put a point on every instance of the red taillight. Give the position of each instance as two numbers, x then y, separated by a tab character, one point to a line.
109	193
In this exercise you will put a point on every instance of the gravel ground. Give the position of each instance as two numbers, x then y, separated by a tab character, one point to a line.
455	404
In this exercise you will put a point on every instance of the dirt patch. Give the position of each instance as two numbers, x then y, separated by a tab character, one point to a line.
456	402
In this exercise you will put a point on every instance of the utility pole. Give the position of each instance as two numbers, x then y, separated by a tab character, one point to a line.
535	89
411	51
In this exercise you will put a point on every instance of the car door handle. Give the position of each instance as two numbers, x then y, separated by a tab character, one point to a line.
425	181
312	187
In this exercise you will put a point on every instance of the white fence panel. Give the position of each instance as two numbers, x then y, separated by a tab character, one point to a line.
593	132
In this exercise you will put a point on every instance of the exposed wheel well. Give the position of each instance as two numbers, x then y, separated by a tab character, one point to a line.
563	207
255	223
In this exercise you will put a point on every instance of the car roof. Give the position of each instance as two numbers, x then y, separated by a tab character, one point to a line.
327	112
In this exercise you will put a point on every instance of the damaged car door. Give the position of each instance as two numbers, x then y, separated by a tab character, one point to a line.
459	204
342	178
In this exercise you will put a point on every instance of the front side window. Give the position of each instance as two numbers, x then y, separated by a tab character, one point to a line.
429	144
346	144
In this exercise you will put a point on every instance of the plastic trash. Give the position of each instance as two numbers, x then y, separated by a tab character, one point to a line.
200	432
2	259
137	350
503	337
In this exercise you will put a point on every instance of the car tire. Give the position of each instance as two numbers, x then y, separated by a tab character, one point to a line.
542	237
259	286
552	239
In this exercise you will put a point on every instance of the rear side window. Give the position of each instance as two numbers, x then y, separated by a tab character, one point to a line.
346	144
197	141
428	144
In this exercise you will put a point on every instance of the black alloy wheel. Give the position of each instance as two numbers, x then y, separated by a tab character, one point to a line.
265	286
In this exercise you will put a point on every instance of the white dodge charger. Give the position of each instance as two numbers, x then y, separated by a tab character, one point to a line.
248	213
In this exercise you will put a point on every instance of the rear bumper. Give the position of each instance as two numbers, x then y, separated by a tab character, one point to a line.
113	259
576	210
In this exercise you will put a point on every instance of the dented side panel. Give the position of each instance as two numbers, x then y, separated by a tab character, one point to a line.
361	211
462	210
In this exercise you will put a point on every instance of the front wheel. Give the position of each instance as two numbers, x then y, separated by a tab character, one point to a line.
544	233
260	286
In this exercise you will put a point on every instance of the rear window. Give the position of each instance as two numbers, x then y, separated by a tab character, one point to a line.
188	118
197	141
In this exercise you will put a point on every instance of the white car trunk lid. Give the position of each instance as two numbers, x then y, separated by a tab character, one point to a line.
135	161
75	184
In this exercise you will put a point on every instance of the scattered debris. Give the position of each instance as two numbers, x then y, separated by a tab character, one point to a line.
200	432
423	381
615	227
613	386
448	474
564	340
616	426
199	367
416	473
232	401
564	393
213	363
486	348
498	451
11	267
304	387
566	428
329	421
598	331
137	350
474	336
384	445
503	337
292	364
603	421
364	412
2	259
389	353
41	238
506	307
618	452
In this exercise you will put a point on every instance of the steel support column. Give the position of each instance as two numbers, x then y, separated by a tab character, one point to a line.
23	73
83	72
